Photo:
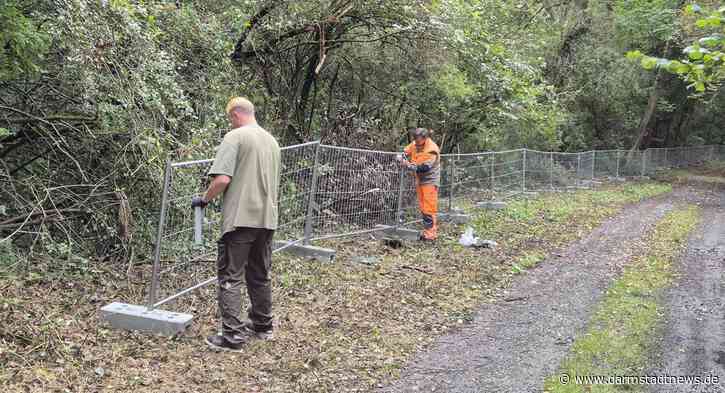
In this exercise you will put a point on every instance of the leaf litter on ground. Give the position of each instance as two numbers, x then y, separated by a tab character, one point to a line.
344	326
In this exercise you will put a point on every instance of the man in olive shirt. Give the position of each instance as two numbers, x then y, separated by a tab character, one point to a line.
246	169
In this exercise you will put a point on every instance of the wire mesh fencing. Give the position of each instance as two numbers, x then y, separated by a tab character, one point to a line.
481	176
184	261
298	175
355	191
586	165
631	163
328	191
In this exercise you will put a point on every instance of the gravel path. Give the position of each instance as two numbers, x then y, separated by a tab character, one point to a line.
694	339
513	344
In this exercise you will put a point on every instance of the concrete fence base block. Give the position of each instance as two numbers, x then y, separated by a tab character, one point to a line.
306	251
386	231
614	178
134	317
457	210
455	218
494	205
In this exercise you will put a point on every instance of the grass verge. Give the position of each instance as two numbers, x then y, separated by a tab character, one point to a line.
711	174
624	327
344	326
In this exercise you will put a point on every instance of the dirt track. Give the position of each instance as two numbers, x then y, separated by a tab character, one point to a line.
694	339
516	342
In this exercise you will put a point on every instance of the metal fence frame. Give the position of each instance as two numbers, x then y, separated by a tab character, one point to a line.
329	191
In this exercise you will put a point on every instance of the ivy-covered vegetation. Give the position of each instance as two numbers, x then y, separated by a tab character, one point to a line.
95	95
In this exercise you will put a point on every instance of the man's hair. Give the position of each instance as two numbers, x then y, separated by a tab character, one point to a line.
424	132
242	104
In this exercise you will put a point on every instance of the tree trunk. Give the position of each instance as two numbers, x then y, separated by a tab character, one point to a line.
649	111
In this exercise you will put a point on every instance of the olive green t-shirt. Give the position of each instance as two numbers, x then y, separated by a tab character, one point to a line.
251	157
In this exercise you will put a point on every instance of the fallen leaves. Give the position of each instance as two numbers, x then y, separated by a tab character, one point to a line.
345	326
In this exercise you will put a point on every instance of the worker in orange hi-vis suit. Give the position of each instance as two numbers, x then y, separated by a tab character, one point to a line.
423	157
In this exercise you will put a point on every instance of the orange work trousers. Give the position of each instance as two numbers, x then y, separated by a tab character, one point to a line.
428	202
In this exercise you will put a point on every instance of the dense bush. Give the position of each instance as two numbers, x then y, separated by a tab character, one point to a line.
96	95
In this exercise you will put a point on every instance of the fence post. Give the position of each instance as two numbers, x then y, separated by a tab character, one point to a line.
399	212
311	200
617	176
667	164
644	162
578	168
493	165
688	155
452	183
594	162
162	221
523	172
551	170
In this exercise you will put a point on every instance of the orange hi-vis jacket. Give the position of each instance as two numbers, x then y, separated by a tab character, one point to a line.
427	158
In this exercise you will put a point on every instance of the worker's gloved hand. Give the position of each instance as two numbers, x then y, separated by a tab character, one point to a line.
198	201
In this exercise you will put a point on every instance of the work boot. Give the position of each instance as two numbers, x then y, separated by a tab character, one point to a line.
260	334
423	238
219	343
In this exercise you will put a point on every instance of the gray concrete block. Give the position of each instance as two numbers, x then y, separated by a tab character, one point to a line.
494	205
455	218
619	179
306	251
386	231
134	317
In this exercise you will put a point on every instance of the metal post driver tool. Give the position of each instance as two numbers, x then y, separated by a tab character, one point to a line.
198	224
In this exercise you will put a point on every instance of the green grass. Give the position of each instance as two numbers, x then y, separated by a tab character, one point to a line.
625	326
525	218
527	261
711	173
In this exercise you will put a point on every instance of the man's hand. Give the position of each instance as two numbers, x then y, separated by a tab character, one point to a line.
198	201
405	163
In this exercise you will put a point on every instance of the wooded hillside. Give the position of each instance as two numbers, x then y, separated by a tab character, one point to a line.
96	95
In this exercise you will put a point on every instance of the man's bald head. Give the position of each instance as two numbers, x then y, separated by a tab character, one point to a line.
241	104
240	112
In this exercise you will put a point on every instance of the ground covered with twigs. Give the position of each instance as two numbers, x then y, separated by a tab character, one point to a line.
344	326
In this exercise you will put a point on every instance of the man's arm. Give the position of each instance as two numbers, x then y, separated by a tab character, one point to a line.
404	158
427	164
217	186
222	170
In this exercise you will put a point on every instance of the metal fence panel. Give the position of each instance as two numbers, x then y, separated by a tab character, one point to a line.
472	175
606	163
328	191
538	170
508	169
181	262
356	190
585	172
564	170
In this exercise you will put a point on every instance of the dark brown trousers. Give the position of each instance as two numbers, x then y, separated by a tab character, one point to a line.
245	254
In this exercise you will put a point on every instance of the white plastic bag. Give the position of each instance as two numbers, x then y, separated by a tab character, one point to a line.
467	239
